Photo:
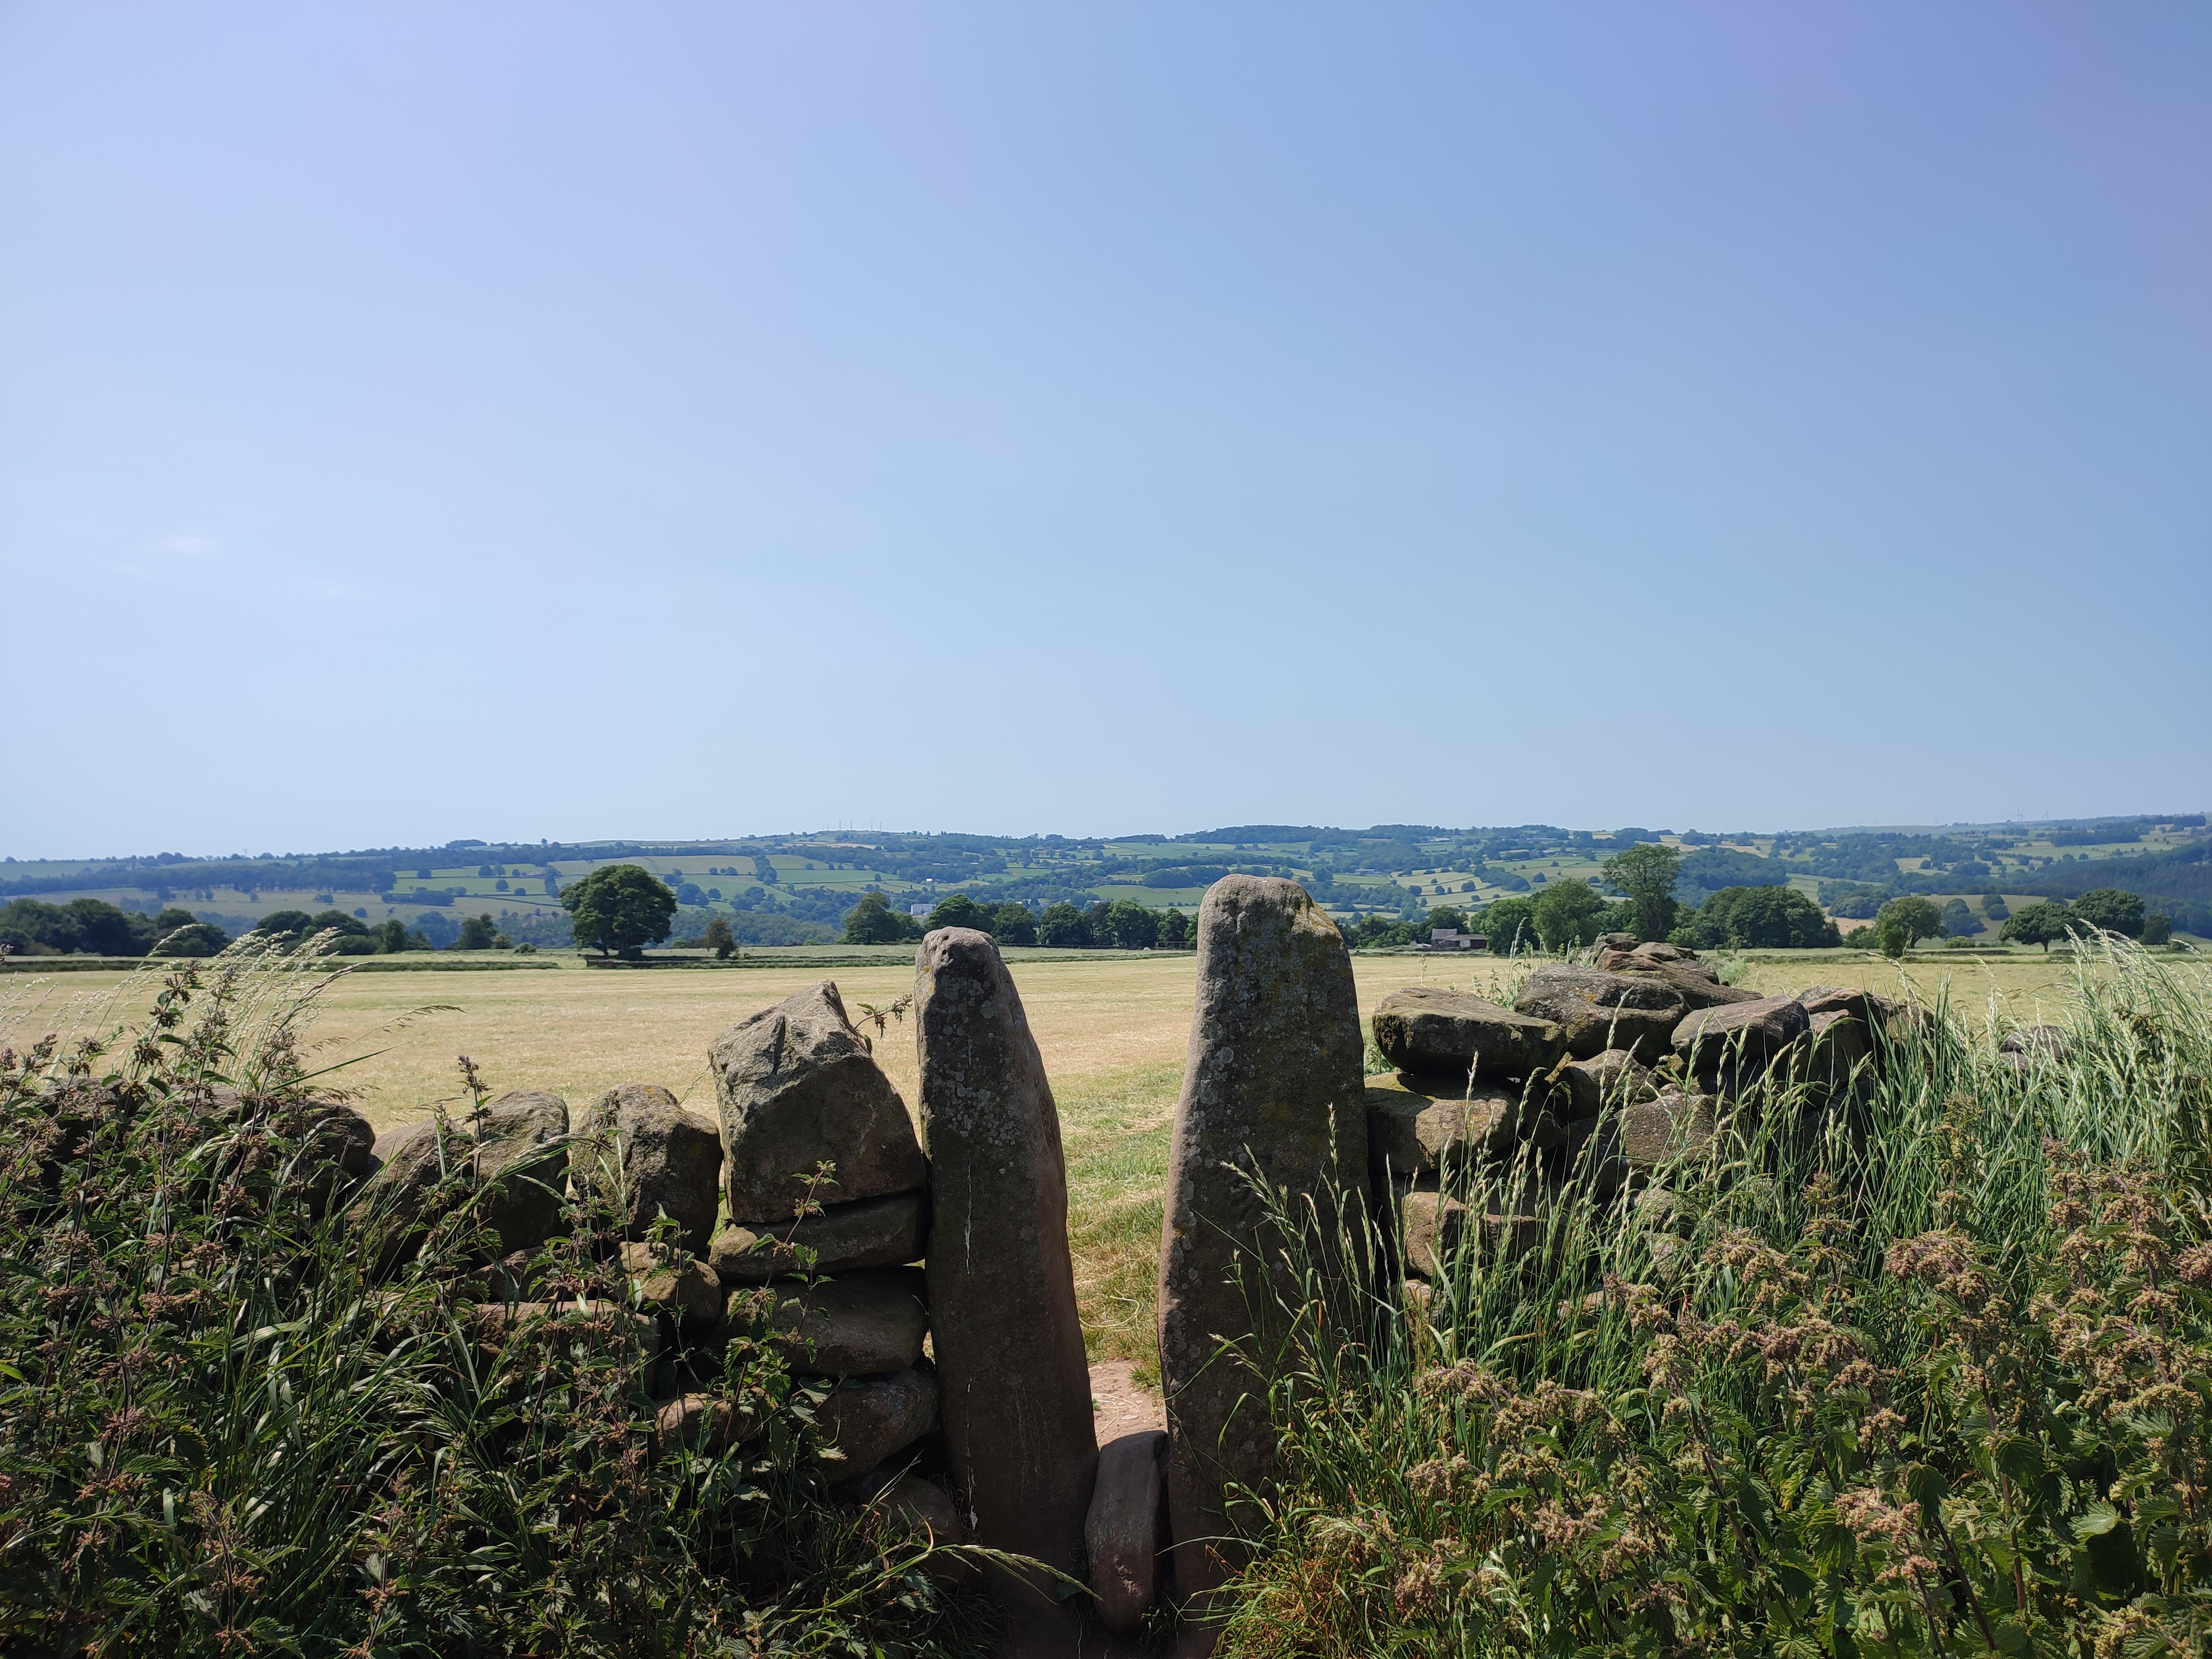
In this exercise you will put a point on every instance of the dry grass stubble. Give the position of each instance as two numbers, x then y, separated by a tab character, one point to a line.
1113	1032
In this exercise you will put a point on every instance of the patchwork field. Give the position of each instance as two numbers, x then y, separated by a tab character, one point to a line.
1112	1030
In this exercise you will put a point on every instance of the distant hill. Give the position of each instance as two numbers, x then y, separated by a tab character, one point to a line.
773	889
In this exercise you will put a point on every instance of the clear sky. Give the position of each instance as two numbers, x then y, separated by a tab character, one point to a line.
507	421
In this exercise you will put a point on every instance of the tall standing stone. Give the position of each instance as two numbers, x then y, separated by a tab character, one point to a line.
1274	1085
1019	1431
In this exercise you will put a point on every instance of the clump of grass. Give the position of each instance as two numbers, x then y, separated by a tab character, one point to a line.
1927	1372
221	1432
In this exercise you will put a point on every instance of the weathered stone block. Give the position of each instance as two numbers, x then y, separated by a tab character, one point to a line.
1595	1011
704	1423
1123	1535
518	1148
664	1157
865	1324
1433	1225
1611	1079
686	1291
798	1087
1410	1129
1744	1031
1643	1140
1428	1029
870	1419
876	1232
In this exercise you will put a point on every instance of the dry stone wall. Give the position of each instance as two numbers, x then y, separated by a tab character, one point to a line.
928	1280
1600	1072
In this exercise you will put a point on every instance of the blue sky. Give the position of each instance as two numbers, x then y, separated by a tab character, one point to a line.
511	421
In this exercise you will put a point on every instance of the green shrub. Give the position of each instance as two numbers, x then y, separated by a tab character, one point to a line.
219	1434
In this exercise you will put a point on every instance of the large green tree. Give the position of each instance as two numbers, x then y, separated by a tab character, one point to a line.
189	939
1063	927
2112	910
1510	925
1013	923
1646	874
1960	920
619	908
1567	914
2040	923
872	921
1132	926
958	910
1761	918
1903	922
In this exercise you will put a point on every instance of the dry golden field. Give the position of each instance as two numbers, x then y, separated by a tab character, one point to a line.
1113	1030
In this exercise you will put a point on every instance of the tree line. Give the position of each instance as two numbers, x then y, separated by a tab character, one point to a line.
90	926
1122	925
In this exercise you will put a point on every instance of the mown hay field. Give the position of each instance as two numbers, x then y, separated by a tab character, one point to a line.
1113	1030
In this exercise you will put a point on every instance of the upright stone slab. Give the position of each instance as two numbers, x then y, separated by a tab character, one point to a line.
1019	1431
1273	1081
797	1087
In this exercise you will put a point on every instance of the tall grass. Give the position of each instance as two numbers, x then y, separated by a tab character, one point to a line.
221	1432
1925	1368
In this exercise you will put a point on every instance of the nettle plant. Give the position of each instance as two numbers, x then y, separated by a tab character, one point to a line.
222	1431
1935	1382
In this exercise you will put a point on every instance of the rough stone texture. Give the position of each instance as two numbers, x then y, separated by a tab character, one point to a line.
1008	1343
1838	1043
1756	1031
1699	982
865	1324
497	1323
1410	1129
1432	1225
1595	1011
686	1291
1616	941
876	1232
1425	1028
341	1134
671	1159
870	1419
2047	1041
328	1130
520	1145
2025	1048
1833	999
797	1086
703	1423
921	1512
1643	1140
1611	1079
1123	1532
1273	1078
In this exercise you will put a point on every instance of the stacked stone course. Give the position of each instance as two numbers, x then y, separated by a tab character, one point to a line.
1605	1070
